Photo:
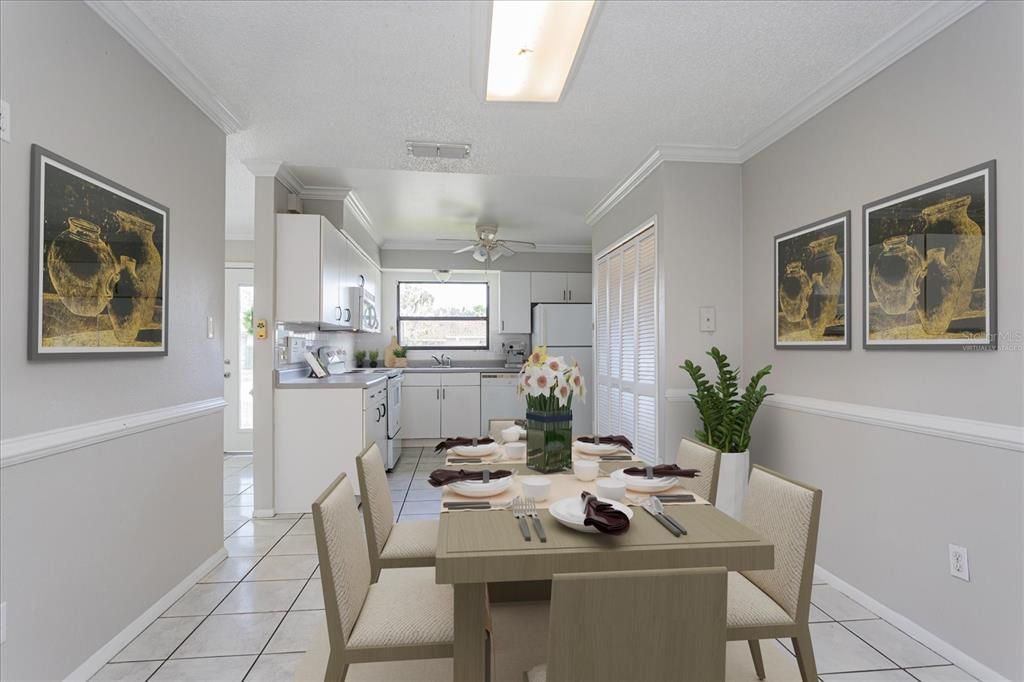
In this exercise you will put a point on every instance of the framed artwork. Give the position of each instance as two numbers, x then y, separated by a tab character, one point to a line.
812	284
98	265
929	264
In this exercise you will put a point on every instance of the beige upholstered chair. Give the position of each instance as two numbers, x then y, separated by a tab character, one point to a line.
694	455
495	427
636	625
405	615
775	603
392	545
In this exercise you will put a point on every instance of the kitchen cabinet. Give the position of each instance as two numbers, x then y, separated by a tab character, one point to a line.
514	303
560	287
311	261
440	404
421	411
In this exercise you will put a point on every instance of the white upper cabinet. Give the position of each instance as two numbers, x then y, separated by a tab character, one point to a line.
514	303
311	256
332	271
560	287
548	287
579	287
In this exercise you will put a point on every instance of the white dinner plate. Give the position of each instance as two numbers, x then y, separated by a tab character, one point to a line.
495	486
597	448
568	511
482	450
645	485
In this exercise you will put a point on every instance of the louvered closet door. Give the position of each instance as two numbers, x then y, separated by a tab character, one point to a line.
626	299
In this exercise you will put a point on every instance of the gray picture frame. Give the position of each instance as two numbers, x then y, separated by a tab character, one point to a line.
41	159
990	340
819	226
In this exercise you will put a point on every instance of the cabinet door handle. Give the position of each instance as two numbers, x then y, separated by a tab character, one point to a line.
337	312
570	294
437	394
503	325
444	394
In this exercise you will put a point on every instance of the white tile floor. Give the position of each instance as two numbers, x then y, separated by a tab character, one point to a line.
252	617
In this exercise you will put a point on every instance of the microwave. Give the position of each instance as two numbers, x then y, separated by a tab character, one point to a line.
365	303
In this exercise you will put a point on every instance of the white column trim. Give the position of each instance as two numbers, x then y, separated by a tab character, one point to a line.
92	665
989	434
936	644
22	449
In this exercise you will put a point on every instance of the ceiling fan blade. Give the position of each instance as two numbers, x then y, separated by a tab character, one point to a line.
495	255
464	249
529	245
503	245
456	240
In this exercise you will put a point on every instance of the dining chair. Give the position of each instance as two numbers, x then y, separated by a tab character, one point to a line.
776	603
636	625
695	455
404	615
391	545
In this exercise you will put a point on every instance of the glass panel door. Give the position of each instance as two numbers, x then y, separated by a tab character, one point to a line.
238	365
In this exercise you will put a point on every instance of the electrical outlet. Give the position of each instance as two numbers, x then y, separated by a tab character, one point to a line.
707	319
958	565
5	120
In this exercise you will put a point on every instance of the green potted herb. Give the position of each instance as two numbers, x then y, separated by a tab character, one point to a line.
399	354
360	356
726	417
373	357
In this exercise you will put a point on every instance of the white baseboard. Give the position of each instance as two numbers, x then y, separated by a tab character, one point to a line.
263	513
92	665
939	646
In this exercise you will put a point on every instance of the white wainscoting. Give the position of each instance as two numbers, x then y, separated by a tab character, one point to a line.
21	449
989	434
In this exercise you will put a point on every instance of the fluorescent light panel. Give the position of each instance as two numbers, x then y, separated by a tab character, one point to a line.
533	45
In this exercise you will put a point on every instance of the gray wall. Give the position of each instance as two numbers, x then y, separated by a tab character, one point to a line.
892	499
93	537
239	251
698	211
404	259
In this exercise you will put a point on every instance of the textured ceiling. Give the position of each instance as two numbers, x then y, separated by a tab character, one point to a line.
342	85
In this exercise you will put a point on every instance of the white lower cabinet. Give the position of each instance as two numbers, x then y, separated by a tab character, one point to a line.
421	411
460	411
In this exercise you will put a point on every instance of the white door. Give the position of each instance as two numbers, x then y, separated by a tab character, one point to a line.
548	287
514	302
332	264
238	302
460	411
421	411
580	287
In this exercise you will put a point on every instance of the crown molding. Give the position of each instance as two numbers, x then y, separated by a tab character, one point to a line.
360	213
429	245
123	19
927	23
320	193
289	180
902	40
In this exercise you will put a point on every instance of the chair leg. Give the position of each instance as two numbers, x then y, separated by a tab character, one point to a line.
755	653
337	669
805	655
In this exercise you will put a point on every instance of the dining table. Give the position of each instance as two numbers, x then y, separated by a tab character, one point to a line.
477	547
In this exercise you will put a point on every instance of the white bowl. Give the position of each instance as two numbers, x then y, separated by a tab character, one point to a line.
586	470
481	450
645	485
515	450
510	435
611	488
537	487
597	449
495	486
568	511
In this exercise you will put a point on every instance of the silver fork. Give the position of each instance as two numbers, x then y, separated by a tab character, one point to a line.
531	510
519	512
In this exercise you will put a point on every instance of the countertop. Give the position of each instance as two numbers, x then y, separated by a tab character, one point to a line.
299	378
488	369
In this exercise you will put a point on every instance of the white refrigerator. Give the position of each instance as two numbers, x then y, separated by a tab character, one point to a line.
567	329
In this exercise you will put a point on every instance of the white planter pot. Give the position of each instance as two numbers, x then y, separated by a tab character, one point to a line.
732	482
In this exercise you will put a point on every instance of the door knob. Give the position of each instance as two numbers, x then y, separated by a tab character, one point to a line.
227	374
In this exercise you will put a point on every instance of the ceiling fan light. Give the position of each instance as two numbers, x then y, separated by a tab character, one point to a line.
495	256
480	253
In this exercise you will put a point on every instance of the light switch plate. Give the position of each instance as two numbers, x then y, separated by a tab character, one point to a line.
707	318
5	120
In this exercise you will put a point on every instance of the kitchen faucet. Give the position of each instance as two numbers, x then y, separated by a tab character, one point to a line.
443	361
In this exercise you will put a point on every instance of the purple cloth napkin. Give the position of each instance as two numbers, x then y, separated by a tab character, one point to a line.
449	443
602	516
440	477
664	470
608	440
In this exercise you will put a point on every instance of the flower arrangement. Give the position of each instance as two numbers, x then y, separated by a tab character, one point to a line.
549	382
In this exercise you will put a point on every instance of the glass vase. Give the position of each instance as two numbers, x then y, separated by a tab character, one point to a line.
549	440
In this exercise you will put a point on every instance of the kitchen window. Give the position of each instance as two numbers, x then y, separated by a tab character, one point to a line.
443	316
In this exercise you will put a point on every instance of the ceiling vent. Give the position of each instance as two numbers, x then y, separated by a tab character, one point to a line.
437	150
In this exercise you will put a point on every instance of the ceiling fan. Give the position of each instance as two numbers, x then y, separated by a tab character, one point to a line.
487	246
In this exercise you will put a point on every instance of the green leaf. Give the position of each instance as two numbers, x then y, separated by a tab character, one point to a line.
726	416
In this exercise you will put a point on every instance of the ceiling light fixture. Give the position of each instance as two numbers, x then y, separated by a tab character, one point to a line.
533	46
437	150
480	253
442	275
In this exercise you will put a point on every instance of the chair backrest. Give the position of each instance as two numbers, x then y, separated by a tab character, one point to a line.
786	513
694	455
495	426
378	514
638	625
344	564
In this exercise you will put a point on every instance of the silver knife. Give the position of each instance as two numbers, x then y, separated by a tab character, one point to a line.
660	518
657	506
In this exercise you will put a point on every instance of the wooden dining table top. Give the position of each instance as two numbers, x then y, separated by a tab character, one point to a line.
486	546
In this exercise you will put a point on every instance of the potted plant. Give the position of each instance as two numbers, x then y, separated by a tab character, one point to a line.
360	356
399	355
550	386
726	417
373	357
